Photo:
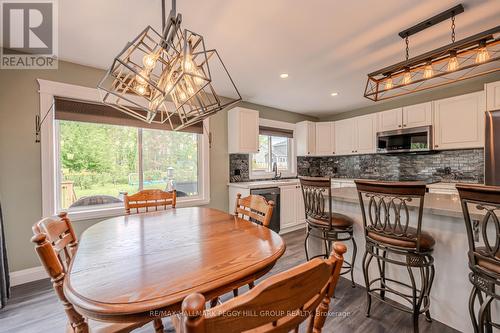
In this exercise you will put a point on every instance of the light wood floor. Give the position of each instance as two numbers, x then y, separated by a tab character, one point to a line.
33	307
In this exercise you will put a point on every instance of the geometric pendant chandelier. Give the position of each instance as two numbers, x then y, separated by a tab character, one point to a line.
467	58
168	77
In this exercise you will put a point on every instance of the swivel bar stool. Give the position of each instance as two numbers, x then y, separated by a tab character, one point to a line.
482	203
324	224
392	241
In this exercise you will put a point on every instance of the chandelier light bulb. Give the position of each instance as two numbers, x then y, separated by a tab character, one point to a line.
141	78
182	96
140	89
149	60
198	80
407	77
388	83
189	65
190	90
482	55
453	62
428	71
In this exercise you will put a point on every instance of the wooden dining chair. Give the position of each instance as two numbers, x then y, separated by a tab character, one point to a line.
143	200
254	208
278	304
56	245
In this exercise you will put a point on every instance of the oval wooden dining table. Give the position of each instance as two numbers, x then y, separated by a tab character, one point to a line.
132	268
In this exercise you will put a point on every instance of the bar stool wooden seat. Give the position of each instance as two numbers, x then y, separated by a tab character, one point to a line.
323	223
56	244
391	240
484	258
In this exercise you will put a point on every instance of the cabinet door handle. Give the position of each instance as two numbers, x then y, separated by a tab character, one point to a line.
399	125
404	125
436	146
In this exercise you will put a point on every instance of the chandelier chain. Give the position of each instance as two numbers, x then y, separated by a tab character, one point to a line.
407	41
453	28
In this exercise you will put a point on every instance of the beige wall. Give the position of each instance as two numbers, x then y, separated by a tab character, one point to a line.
20	182
451	90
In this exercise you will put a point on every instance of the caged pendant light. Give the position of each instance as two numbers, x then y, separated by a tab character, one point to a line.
467	58
168	77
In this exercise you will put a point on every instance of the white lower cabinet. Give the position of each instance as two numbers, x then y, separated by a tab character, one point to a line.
292	208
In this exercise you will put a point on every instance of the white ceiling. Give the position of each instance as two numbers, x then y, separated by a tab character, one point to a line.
323	45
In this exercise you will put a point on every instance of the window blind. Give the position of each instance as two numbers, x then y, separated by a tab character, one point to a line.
75	110
264	130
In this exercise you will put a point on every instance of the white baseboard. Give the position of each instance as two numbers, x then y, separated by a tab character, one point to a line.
27	275
294	228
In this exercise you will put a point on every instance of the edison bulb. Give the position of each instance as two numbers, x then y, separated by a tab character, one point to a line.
198	80
482	55
149	60
453	63
190	90
182	95
140	89
189	65
428	71
141	78
388	84
407	78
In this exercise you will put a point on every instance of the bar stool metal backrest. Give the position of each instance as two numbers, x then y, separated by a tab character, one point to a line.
384	206
481	208
316	191
486	199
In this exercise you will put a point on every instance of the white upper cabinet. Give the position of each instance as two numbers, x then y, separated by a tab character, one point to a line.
345	136
305	138
406	117
492	96
390	120
417	115
366	128
325	138
243	130
459	122
356	135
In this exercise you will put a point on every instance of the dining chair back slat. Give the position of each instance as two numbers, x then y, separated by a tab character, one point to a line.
254	208
143	200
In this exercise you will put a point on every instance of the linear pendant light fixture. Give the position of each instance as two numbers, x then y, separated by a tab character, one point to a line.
168	77
467	58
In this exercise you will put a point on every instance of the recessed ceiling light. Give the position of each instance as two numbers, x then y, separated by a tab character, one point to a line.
284	75
334	93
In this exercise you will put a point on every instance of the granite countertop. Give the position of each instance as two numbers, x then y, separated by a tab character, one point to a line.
436	204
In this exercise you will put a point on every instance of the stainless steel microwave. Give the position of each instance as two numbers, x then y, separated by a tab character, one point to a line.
407	140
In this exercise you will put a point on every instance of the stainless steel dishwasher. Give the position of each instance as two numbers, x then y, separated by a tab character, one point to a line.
271	193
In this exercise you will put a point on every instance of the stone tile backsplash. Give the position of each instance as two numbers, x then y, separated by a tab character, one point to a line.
448	166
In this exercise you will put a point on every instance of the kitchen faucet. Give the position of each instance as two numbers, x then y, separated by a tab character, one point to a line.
275	170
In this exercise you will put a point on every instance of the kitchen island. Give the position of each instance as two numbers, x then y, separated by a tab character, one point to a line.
443	219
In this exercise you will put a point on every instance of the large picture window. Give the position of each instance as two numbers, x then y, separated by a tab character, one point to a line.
100	162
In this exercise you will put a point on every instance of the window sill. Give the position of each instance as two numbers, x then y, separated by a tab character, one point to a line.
109	212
